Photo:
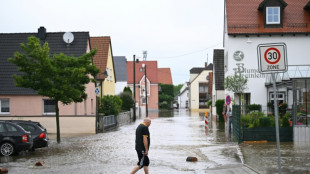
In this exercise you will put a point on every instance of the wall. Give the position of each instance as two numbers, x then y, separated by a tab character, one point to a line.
109	82
183	98
119	87
68	125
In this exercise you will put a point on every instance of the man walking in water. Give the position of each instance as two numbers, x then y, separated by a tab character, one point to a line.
142	146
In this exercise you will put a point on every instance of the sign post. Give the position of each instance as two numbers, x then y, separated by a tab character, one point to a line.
272	59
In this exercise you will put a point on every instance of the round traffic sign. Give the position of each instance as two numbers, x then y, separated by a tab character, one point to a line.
228	100
272	55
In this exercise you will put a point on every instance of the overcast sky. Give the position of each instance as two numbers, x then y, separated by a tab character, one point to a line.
180	34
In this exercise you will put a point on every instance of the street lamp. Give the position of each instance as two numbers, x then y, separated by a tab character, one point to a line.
146	107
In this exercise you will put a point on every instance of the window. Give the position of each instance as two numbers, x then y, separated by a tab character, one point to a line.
203	87
11	128
111	75
28	127
49	107
143	100
4	106
2	129
273	15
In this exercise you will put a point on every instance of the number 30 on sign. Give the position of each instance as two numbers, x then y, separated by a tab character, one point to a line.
272	58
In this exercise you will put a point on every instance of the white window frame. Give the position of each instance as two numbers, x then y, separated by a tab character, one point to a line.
267	16
47	113
1	100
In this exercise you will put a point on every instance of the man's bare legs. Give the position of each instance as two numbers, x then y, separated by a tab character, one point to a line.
136	168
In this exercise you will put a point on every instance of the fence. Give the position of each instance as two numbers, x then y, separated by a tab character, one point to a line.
258	123
112	121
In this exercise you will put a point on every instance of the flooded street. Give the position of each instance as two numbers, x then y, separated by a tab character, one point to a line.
174	137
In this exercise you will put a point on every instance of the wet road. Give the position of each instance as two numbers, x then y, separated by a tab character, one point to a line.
173	139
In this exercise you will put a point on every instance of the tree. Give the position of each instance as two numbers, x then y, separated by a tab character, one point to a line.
166	96
60	77
127	89
127	100
236	84
176	89
110	105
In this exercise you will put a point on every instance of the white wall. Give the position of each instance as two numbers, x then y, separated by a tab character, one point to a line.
297	54
183	98
119	87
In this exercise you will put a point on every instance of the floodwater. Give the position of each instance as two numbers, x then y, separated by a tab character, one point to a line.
174	137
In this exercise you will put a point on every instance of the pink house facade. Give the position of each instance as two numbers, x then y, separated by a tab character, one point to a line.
151	84
25	104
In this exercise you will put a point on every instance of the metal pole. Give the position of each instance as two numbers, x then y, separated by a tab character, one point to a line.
306	103
101	92
134	87
276	108
146	107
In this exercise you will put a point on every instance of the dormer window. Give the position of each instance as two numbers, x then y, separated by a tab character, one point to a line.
273	15
272	11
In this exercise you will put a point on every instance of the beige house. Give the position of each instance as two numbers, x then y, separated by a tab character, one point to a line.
199	92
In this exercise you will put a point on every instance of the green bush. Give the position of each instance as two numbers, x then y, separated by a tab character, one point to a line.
110	105
285	120
127	101
209	103
264	121
219	109
164	105
254	107
246	121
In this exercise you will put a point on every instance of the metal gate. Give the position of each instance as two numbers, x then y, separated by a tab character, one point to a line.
237	132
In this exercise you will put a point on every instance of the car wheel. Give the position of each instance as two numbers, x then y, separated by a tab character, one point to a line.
7	149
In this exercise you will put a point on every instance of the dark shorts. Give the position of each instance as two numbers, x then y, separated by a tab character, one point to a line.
143	159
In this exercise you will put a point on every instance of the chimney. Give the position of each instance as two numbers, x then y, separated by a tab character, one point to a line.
42	33
206	64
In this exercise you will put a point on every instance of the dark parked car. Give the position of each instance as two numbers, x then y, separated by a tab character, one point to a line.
38	132
13	138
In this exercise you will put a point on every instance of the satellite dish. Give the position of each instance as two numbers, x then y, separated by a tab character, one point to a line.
68	37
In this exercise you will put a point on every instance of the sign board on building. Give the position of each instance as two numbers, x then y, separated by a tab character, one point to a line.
272	57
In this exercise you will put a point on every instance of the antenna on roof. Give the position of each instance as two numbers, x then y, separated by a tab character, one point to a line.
68	38
144	55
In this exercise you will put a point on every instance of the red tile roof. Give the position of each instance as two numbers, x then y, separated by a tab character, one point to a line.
243	17
164	76
101	58
151	71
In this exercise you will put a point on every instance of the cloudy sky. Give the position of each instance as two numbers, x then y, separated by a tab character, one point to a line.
180	34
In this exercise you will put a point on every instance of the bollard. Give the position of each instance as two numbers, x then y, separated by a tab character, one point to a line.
206	121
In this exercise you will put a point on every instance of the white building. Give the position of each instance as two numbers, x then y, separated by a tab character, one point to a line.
183	96
250	23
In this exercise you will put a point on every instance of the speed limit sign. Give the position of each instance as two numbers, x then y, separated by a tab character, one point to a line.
272	57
